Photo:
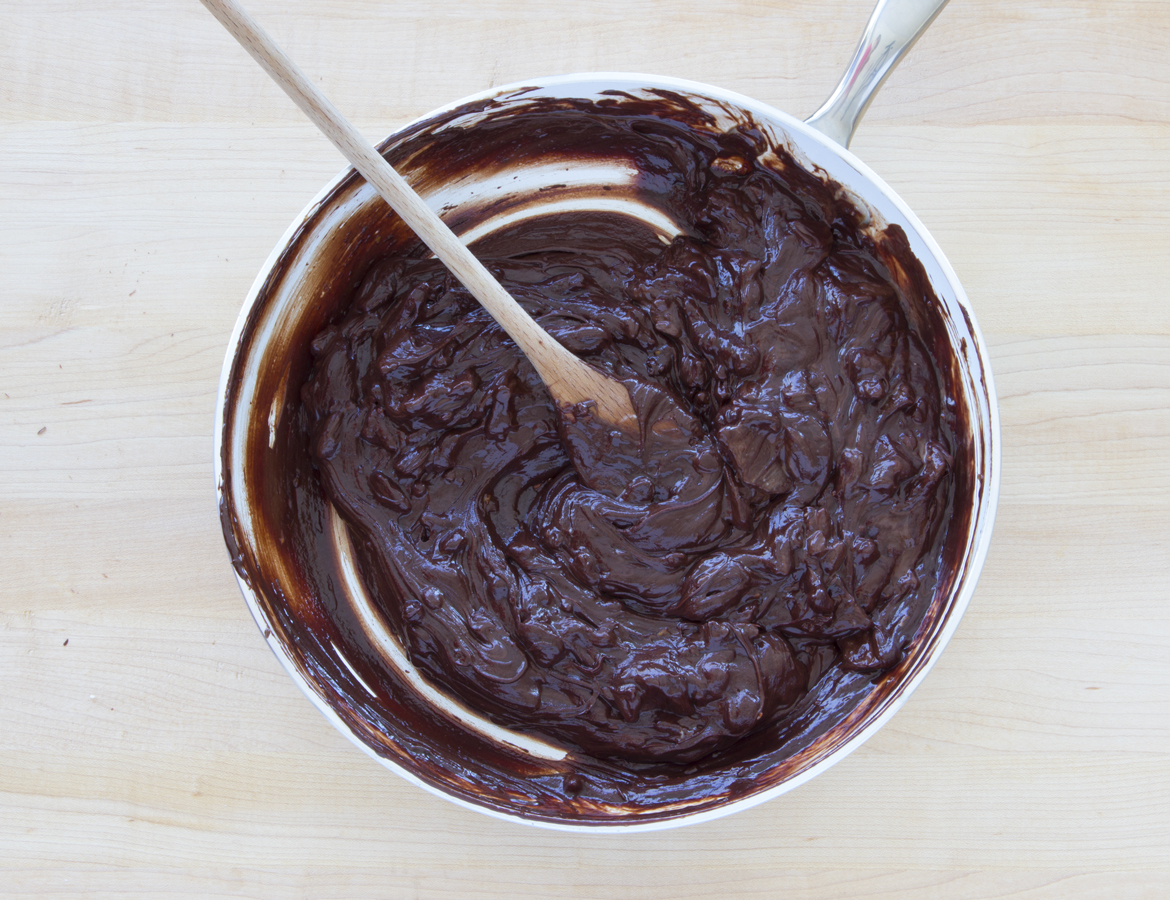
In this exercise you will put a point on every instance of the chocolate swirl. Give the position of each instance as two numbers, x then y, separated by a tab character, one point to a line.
653	600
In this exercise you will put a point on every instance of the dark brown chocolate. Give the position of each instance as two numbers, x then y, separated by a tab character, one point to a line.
729	586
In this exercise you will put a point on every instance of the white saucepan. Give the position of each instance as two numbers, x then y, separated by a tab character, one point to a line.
292	553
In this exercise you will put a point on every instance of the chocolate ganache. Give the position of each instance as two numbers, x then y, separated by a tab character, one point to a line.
653	599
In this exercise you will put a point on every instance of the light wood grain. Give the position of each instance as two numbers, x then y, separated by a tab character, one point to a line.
164	753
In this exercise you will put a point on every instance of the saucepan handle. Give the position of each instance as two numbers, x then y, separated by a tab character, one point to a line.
892	30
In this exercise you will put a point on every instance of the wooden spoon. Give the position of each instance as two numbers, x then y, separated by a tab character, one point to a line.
568	379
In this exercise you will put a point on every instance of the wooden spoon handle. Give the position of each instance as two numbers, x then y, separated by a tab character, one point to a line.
568	379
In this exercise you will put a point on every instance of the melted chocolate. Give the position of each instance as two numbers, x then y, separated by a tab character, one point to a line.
728	586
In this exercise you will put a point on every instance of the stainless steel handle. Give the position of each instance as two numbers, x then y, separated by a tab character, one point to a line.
892	30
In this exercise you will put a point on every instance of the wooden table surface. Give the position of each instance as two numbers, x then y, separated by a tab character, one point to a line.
150	744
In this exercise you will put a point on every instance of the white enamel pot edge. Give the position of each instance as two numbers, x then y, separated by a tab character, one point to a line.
815	151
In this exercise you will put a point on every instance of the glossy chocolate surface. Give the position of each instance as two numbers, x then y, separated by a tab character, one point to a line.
691	615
